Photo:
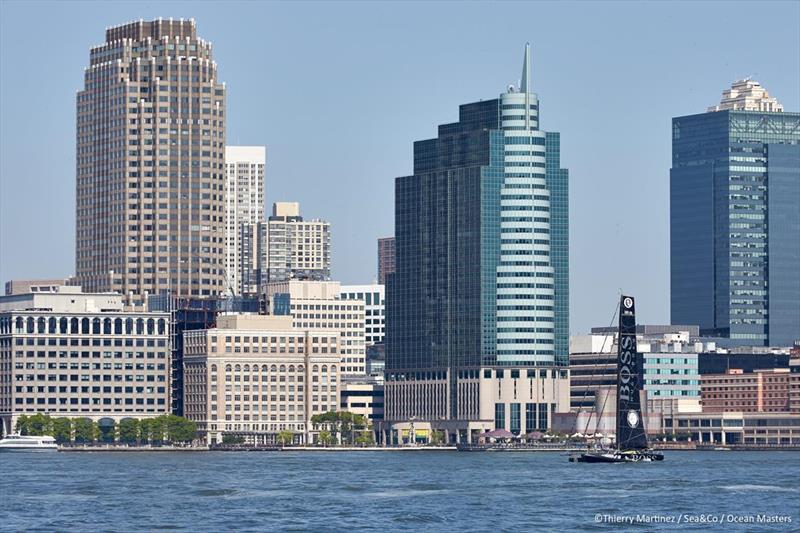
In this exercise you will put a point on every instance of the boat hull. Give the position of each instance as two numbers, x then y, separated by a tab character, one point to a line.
639	456
24	449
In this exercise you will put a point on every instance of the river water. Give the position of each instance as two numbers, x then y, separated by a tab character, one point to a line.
389	491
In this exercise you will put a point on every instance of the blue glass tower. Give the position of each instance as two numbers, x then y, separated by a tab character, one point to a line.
482	247
735	224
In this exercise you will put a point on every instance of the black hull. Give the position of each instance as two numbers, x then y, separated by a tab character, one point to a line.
614	456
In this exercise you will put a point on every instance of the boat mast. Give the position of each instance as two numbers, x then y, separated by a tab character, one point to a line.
630	424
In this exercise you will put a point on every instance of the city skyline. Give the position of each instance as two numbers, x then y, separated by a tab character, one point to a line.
366	162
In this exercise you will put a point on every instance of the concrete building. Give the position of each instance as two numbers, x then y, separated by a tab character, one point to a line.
253	376
760	391
317	305
774	429
81	355
386	258
22	286
362	395
244	206
481	280
150	195
288	247
735	219
187	314
374	308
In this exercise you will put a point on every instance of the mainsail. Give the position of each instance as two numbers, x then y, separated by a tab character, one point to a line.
630	424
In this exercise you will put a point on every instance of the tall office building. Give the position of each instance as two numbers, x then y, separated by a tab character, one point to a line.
481	281
150	189
374	300
286	247
735	219
244	205
386	256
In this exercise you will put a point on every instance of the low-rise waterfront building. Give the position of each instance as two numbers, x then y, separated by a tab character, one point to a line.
318	305
362	396
66	353
253	376
760	391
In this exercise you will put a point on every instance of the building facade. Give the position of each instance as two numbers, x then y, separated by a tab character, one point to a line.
288	247
386	258
253	376
374	308
481	236
150	193
79	355
362	395
244	206
735	220
317	305
760	391
23	286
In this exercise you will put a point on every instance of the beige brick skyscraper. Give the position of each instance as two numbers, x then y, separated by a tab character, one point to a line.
150	192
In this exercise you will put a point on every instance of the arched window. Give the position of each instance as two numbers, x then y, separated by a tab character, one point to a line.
20	324
273	368
74	326
85	326
151	326
140	326
315	368
227	368
213	368
162	326
299	368
129	326
283	368
52	326
247	368
31	324
263	369
96	326
324	369
63	325
333	369
107	326
42	323
291	368
118	326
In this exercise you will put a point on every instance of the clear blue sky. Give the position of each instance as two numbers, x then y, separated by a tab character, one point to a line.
339	91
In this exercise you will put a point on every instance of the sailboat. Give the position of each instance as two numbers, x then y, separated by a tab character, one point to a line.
631	446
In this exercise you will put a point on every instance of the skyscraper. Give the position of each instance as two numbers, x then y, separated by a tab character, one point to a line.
481	283
385	258
244	204
150	196
735	219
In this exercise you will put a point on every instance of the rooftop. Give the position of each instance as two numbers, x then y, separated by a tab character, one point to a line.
747	95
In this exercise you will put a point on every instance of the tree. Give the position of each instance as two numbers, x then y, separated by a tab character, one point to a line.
62	430
108	433
437	437
157	428
232	439
145	430
325	438
178	428
85	430
23	425
285	437
366	438
129	430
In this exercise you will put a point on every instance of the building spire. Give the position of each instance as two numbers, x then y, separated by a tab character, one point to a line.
526	70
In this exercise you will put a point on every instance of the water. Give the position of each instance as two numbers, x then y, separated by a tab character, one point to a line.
388	491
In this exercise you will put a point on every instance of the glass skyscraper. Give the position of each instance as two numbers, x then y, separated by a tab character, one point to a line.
735	219
482	238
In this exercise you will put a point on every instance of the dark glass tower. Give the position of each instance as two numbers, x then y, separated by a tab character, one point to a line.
735	224
482	238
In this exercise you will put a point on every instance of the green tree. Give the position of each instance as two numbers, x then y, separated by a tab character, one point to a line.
107	433
366	438
437	437
85	430
23	425
285	437
129	430
325	438
157	429
232	439
178	428
145	430
62	430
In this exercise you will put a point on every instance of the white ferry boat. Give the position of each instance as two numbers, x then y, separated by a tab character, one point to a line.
28	443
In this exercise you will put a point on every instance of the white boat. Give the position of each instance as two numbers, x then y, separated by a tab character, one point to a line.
28	443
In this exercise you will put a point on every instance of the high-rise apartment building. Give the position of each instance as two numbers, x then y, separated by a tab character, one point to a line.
244	206
286	247
374	305
481	279
150	194
386	258
735	219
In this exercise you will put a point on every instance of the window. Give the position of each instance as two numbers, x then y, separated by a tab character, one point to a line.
515	419
499	416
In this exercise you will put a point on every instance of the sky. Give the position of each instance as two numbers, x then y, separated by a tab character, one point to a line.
338	92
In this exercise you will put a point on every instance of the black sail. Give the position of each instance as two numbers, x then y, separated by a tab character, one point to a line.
630	423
